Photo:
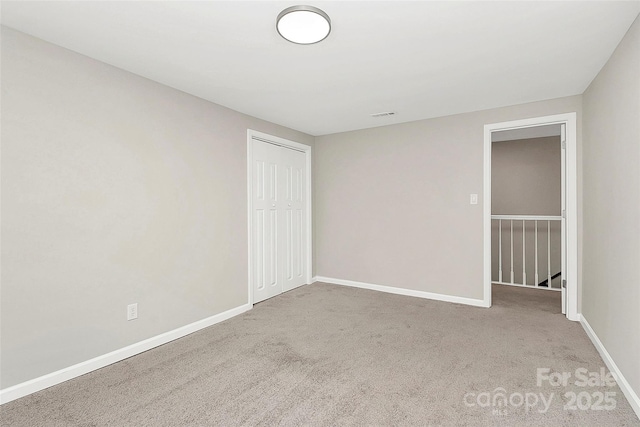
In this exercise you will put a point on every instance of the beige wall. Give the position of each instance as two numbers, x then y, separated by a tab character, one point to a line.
525	177
115	189
392	203
611	293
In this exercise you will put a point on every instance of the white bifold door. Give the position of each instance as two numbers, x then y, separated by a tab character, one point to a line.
279	223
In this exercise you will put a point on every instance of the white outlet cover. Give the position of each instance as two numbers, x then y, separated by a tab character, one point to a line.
132	311
473	199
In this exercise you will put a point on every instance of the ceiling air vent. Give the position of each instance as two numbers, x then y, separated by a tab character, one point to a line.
383	114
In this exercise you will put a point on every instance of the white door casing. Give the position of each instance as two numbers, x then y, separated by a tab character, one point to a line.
563	222
279	215
569	199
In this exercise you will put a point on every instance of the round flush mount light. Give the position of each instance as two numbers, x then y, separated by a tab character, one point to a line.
303	24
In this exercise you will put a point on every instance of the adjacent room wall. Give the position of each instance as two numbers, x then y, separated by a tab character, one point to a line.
611	165
116	190
526	177
392	203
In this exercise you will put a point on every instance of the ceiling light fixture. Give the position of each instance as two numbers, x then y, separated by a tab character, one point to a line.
303	24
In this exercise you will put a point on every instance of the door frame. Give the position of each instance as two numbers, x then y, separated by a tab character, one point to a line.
571	186
270	139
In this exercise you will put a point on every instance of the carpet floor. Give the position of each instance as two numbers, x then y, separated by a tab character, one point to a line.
330	355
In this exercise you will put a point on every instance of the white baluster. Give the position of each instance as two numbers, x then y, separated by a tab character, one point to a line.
511	251
549	254
535	233
524	257
500	251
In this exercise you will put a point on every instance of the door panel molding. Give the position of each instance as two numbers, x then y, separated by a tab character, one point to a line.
296	184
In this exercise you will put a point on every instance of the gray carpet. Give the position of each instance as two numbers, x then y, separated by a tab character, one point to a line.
330	355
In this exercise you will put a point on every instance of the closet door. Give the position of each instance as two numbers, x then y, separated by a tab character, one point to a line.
267	221
294	236
279	220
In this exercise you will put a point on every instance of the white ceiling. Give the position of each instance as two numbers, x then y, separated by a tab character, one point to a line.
420	59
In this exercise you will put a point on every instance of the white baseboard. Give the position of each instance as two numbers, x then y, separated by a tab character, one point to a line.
403	291
23	389
314	279
629	393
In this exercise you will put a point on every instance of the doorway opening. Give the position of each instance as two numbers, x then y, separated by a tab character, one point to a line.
530	211
526	208
279	215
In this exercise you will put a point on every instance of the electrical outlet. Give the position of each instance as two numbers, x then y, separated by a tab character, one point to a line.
132	311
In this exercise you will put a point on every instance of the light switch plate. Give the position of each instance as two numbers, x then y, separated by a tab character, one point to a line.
473	199
132	311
